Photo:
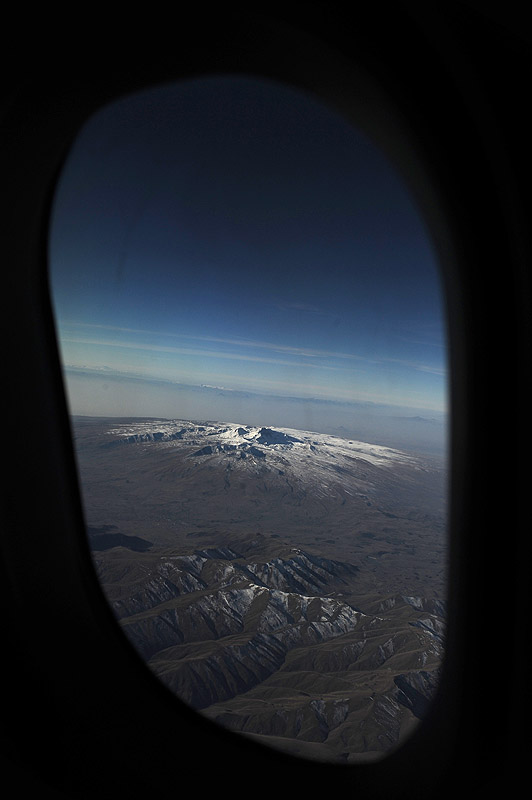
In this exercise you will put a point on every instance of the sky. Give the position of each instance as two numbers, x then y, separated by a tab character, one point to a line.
228	246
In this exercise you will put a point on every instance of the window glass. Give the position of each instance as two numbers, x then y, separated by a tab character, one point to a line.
251	326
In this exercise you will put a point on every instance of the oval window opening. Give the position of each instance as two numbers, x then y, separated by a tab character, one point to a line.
251	326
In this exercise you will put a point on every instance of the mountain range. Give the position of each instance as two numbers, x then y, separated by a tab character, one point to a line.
289	585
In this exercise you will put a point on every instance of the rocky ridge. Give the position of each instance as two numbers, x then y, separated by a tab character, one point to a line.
271	648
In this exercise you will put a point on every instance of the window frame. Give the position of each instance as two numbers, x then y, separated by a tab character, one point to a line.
112	712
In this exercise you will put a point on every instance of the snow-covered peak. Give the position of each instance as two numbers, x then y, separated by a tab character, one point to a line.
213	437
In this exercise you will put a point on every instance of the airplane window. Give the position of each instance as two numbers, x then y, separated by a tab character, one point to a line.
252	332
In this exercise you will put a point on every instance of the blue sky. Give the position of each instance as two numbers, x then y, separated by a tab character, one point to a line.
229	232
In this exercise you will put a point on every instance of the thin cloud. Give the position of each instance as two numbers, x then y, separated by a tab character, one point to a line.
305	352
284	350
307	307
416	365
189	351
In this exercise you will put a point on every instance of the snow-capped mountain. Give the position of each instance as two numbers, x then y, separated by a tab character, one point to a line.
323	464
258	442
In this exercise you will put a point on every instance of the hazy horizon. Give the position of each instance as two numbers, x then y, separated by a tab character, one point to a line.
104	394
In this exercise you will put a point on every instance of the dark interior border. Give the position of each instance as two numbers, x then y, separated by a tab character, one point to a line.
83	715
